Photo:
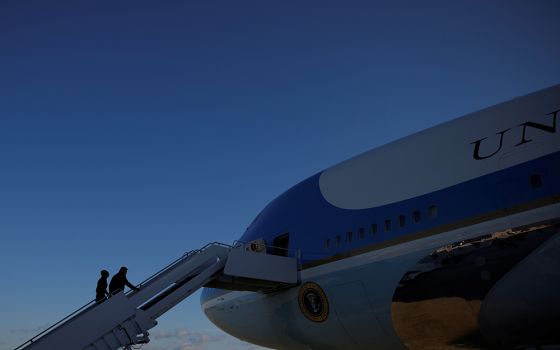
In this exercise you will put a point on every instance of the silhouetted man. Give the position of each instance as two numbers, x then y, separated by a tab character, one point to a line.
101	290
119	281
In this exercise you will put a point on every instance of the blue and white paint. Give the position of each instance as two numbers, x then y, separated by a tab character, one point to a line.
359	226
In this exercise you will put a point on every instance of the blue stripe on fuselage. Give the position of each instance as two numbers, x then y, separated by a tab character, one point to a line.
310	219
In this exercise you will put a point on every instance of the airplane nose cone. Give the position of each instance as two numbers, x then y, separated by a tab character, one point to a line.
244	316
273	320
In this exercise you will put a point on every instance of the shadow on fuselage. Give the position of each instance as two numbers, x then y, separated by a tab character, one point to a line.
438	301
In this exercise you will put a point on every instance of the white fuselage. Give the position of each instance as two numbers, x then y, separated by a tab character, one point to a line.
410	245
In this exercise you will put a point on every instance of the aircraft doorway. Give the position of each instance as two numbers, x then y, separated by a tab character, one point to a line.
280	244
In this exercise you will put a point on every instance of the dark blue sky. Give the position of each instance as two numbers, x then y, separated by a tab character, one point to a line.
133	131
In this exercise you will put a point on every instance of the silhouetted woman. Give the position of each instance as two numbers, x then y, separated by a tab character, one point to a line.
101	290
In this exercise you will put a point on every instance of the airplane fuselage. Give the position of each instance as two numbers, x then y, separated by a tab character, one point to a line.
446	238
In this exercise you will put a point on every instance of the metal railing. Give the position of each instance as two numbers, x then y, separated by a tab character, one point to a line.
73	314
184	257
93	303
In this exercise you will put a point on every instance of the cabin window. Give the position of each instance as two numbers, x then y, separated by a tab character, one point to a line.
349	236
416	216
337	241
362	233
373	229
536	181
327	244
280	245
387	225
401	221
433	212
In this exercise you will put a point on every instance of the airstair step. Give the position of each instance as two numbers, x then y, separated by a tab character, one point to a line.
124	319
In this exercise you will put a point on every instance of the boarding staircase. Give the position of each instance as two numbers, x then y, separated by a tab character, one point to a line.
124	320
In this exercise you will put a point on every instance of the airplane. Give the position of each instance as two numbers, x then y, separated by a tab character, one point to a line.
445	239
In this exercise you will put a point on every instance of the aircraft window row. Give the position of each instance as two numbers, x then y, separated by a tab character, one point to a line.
432	212
416	216
362	233
536	181
388	225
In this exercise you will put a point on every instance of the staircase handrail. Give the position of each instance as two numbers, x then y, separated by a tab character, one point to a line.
41	334
187	255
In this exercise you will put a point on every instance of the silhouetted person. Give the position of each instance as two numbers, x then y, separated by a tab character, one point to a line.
101	290
119	281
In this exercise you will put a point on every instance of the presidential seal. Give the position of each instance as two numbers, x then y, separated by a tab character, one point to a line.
313	302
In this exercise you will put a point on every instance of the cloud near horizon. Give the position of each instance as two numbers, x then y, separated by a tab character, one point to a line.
186	339
183	339
174	339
